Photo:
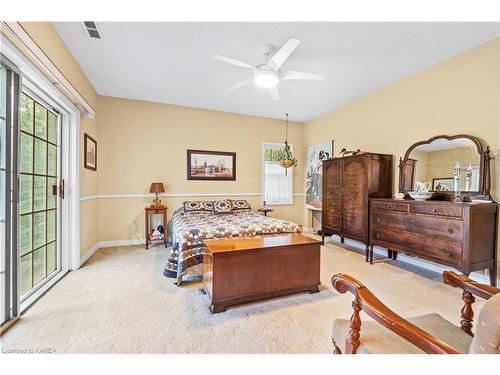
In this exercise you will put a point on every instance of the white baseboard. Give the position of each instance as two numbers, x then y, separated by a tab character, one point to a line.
421	263
116	243
88	254
103	244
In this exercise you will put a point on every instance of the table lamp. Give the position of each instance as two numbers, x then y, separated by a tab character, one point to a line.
157	187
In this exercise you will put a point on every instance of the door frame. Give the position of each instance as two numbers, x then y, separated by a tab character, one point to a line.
10	302
70	120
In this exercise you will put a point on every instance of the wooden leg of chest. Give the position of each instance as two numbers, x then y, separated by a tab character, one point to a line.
217	308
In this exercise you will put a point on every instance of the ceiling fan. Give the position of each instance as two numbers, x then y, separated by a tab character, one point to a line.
268	75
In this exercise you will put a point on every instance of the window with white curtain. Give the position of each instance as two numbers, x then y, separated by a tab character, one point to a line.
277	187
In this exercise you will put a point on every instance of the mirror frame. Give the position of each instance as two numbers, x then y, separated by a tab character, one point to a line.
484	170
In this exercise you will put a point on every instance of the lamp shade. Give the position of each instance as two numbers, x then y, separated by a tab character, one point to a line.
157	187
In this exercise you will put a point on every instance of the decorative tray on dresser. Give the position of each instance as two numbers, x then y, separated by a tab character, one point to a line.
457	227
460	235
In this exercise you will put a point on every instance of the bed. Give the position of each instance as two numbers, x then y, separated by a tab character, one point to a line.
200	220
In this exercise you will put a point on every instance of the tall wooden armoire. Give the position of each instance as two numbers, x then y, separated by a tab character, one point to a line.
348	183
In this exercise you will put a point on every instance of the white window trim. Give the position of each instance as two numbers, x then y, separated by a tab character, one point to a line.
290	173
40	85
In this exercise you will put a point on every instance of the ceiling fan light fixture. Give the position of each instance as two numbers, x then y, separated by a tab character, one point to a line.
266	78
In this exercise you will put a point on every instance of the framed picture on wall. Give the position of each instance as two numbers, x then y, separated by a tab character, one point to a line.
442	184
89	152
211	165
314	174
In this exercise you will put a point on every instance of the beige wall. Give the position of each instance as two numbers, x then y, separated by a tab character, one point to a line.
141	142
421	167
459	95
47	38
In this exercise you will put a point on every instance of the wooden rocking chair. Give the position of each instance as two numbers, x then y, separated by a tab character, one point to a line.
428	333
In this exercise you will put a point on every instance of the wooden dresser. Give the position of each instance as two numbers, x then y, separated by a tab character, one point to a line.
460	235
348	183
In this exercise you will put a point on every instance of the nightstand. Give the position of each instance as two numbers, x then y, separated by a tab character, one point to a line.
148	211
265	210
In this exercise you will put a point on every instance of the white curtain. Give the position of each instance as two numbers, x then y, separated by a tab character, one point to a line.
278	187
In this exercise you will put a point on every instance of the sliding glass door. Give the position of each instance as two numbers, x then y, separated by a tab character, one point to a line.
35	158
39	193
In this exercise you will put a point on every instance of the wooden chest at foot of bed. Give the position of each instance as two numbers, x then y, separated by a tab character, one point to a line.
240	270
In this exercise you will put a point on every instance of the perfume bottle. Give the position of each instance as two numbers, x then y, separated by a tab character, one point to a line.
468	177
456	182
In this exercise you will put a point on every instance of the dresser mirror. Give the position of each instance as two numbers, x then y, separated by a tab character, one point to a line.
433	164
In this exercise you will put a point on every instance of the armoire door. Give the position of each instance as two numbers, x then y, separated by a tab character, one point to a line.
355	198
332	199
407	178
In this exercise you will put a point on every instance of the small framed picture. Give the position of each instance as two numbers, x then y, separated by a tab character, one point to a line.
211	165
442	184
90	153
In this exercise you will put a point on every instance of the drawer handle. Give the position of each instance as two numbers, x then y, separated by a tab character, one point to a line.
377	236
434	210
378	220
388	206
451	231
449	253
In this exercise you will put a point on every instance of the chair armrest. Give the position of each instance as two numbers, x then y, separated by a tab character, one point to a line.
372	306
461	281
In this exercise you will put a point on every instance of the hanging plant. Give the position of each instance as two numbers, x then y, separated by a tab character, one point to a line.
287	160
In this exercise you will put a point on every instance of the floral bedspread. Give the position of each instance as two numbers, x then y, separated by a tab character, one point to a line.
189	230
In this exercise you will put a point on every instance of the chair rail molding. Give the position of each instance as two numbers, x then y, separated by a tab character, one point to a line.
173	195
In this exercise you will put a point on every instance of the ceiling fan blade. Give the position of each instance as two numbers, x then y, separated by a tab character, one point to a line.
283	54
291	74
273	91
232	61
237	85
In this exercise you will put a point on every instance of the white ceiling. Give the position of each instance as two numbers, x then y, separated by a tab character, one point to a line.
441	144
171	62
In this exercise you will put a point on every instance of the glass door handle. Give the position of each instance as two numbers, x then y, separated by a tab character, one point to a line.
61	188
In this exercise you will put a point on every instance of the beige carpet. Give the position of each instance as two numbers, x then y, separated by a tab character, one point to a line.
119	302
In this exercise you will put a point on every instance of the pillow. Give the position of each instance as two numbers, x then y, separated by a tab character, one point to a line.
223	207
191	207
240	205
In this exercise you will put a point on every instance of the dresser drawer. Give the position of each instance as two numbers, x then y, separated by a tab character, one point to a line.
390	206
440	250
438	209
446	228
